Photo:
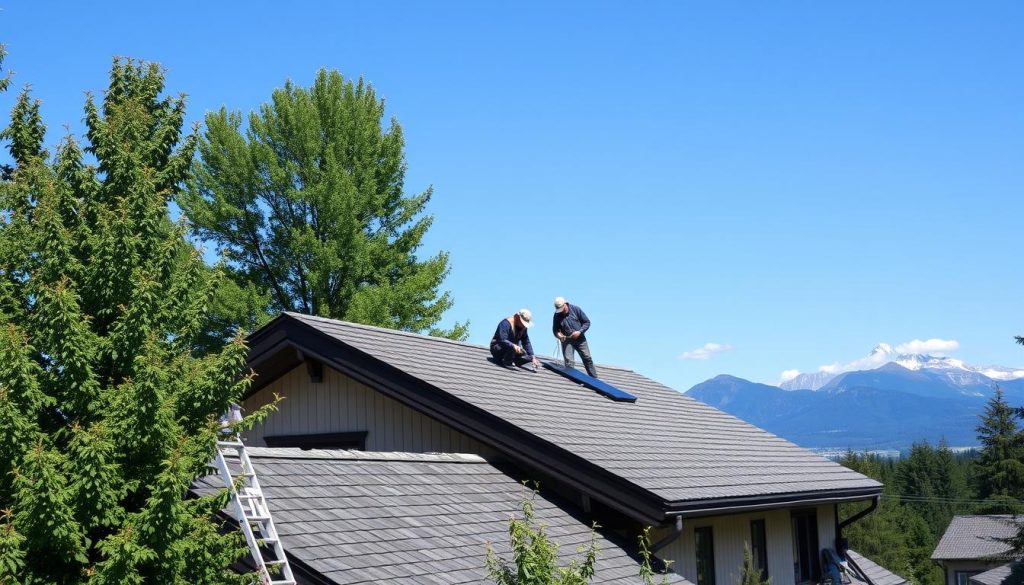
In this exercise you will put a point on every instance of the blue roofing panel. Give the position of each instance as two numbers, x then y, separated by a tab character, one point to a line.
600	386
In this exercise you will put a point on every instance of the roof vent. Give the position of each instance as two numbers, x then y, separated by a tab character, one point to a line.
599	386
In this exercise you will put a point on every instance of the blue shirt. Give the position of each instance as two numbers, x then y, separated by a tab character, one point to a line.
506	336
567	323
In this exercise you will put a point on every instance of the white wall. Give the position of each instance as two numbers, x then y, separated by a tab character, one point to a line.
341	404
729	533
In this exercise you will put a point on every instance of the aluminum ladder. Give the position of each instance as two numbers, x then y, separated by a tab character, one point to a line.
249	507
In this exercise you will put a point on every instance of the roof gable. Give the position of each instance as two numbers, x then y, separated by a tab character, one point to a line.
666	447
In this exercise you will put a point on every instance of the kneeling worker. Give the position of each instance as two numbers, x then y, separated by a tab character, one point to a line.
570	326
511	342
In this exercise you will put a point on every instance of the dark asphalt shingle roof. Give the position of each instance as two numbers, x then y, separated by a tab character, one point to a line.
1008	574
667	443
976	537
878	574
407	519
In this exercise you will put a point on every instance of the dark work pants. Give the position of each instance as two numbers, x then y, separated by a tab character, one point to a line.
581	346
507	356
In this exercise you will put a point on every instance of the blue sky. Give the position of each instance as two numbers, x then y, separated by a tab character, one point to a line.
793	181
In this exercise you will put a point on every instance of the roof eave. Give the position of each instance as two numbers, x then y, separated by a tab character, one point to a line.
286	341
741	504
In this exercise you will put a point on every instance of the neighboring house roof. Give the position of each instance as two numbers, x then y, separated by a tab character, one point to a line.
664	454
349	517
1008	574
876	573
976	537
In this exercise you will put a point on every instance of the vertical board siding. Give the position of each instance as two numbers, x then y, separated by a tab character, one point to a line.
340	404
731	533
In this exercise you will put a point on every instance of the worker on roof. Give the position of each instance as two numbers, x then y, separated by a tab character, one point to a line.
511	345
570	326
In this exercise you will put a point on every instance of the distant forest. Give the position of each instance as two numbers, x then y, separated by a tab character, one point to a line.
926	487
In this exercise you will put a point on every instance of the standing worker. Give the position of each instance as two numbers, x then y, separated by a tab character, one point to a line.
570	326
511	342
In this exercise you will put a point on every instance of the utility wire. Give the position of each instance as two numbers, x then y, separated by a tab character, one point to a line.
941	500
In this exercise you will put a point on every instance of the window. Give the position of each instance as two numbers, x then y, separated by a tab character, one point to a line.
351	440
759	547
805	546
964	577
705	555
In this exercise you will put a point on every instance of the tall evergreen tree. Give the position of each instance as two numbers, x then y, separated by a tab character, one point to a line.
1000	465
308	204
1018	541
950	486
106	415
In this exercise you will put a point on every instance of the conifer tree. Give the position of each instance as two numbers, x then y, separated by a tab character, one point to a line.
1000	465
106	415
308	205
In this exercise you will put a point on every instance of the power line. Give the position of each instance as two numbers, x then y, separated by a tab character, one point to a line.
941	500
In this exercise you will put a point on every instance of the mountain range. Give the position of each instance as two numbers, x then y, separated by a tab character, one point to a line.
908	398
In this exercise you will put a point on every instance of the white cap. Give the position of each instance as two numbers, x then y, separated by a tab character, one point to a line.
559	303
526	317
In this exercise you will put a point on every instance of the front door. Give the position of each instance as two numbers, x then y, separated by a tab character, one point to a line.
805	546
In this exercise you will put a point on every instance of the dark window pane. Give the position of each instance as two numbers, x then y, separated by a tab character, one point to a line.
705	556
805	546
759	547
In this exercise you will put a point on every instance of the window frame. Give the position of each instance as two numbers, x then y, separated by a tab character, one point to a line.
707	564
809	516
759	550
967	576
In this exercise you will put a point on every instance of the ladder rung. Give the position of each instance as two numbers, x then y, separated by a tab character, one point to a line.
231	452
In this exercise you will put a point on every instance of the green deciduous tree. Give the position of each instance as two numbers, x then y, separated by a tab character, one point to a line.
307	203
535	555
106	414
647	560
750	574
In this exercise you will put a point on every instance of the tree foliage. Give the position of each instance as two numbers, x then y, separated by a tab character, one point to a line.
106	415
750	574
1000	467
535	555
307	203
928	486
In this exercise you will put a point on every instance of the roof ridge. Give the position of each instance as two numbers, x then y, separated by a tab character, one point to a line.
305	317
996	516
352	455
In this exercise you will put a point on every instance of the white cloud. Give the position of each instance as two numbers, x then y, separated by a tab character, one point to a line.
789	375
705	351
930	346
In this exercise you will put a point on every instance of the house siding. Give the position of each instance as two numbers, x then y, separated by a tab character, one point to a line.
341	404
730	533
973	565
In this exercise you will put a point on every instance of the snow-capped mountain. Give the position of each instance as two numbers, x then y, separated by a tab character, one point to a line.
952	369
886	400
